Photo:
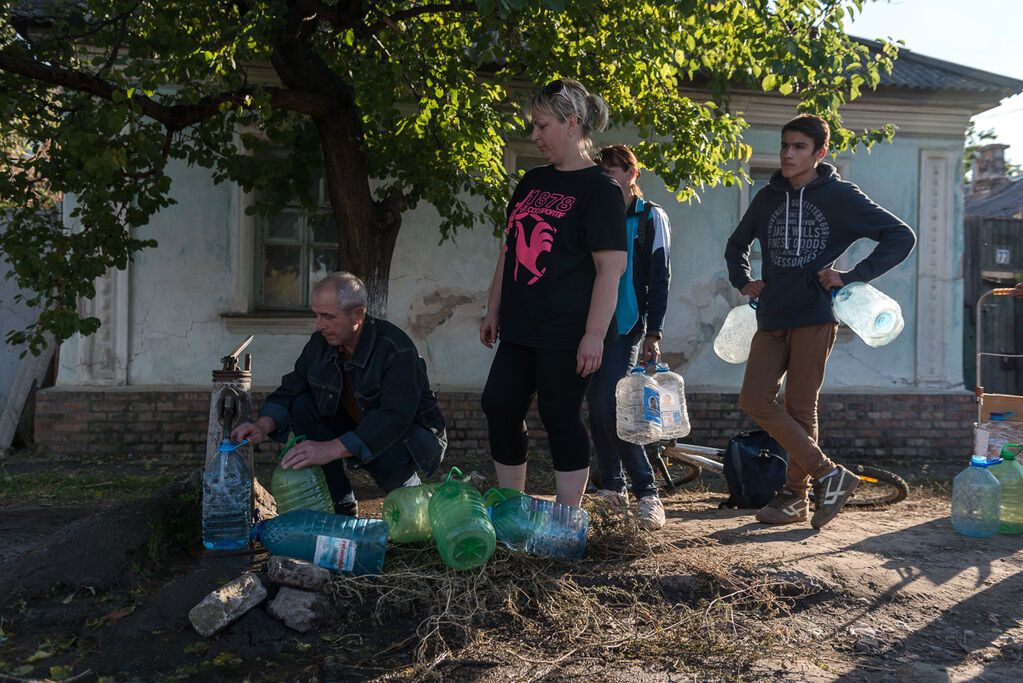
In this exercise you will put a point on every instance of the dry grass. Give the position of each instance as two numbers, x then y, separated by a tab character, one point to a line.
634	600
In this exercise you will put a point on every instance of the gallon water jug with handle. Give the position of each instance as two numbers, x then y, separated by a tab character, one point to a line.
638	408
406	511
347	545
976	497
541	527
227	499
875	317
671	389
1009	474
736	334
461	527
304	489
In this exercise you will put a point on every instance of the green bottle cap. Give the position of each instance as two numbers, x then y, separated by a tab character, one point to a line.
1010	451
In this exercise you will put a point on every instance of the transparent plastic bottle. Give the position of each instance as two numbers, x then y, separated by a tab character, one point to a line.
406	511
976	497
347	545
736	334
304	489
638	408
461	527
227	499
1010	475
541	527
674	414
875	317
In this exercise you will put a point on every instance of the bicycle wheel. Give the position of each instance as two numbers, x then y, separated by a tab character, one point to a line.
878	487
673	472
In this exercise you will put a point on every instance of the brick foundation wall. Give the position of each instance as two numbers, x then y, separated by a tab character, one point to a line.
171	423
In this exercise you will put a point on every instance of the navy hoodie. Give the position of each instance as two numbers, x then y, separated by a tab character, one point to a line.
806	230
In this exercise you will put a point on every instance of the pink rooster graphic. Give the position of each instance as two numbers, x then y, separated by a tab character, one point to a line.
528	250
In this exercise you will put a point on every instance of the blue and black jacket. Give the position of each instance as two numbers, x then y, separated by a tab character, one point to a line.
643	290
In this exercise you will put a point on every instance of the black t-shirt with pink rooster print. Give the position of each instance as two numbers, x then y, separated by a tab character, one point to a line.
556	220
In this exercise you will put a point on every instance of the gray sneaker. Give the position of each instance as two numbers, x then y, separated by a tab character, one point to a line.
830	495
785	508
650	513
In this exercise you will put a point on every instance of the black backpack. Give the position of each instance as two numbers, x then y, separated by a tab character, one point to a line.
754	469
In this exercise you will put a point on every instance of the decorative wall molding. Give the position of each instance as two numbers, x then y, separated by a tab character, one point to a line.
103	355
935	309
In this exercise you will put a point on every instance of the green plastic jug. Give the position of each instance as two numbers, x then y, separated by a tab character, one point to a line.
1010	474
461	527
407	511
304	489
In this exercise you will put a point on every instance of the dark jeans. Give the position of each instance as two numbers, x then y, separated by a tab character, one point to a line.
517	374
612	453
390	469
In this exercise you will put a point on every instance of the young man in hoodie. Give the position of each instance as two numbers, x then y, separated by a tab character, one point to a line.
805	219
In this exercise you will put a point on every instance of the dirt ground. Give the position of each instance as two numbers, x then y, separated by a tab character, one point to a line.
883	595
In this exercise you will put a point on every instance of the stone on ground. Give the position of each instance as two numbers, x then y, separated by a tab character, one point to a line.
301	610
227	603
298	574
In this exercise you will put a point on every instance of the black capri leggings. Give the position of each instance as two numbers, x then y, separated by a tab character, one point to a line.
517	374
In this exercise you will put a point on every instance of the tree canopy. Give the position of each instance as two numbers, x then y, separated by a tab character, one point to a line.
392	103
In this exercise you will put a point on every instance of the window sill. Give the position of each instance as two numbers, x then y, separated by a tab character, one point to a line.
269	322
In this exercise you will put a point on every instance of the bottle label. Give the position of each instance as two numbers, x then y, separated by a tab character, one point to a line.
671	409
335	553
651	405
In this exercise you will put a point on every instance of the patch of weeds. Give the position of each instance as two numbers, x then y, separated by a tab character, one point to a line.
72	488
197	648
59	673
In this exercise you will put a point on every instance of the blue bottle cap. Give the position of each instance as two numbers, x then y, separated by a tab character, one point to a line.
754	303
638	370
982	461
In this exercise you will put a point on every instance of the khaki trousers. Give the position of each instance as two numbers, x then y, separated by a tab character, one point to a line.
800	356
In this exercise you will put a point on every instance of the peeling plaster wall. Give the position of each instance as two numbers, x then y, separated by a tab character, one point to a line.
179	291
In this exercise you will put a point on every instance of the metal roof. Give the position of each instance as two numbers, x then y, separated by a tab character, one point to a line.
1004	204
915	71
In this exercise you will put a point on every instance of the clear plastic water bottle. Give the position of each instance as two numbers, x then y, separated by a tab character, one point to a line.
541	527
736	334
460	523
1009	474
875	317
227	499
347	545
303	489
638	408
674	414
406	511
976	497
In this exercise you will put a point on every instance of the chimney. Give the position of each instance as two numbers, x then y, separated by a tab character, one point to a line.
989	170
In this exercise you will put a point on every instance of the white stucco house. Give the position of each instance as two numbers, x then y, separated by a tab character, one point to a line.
219	275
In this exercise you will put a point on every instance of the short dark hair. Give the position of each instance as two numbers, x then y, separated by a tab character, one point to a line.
813	127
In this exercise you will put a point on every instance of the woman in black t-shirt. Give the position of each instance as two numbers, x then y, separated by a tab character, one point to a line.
554	291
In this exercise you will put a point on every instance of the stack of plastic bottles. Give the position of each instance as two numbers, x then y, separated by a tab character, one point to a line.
987	497
540	527
227	500
651	408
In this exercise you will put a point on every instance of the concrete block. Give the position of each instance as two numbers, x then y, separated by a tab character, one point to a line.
298	574
227	603
301	610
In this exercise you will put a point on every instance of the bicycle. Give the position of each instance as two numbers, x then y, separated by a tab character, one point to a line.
878	487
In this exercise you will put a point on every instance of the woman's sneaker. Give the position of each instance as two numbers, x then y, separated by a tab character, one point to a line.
650	513
785	508
616	501
830	495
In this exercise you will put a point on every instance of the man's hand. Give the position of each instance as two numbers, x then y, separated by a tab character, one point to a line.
830	279
589	355
488	330
1017	291
256	432
306	453
650	352
753	289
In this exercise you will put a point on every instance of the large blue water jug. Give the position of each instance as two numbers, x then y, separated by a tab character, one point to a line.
348	545
875	317
227	499
976	497
541	527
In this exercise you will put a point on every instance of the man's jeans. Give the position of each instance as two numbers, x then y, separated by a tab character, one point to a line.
391	469
612	453
800	355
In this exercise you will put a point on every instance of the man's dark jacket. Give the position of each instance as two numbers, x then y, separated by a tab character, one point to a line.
391	387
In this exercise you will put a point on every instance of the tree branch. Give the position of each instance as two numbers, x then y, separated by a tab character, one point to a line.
174	117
